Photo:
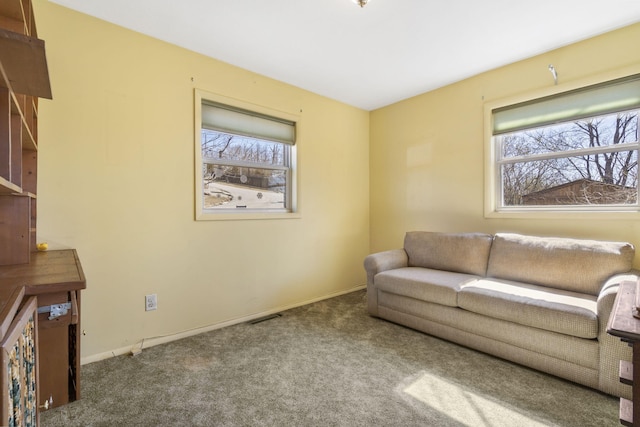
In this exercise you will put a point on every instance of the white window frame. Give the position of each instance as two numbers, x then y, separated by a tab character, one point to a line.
492	160
203	214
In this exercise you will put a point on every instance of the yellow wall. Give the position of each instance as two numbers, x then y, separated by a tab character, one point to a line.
116	182
427	152
116	178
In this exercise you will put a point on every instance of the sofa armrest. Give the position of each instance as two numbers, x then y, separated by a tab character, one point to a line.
610	287
608	294
383	261
612	350
379	262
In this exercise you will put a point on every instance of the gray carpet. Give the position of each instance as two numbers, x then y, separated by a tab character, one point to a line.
325	364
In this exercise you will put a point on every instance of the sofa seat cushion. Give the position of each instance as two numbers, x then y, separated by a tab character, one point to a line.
440	287
550	309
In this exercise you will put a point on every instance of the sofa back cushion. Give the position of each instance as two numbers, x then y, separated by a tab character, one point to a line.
460	252
570	264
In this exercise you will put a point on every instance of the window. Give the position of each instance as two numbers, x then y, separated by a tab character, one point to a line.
245	160
573	151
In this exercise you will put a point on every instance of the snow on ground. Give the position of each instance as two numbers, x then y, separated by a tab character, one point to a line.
251	197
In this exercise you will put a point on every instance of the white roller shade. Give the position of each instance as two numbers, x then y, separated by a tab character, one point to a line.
228	119
605	98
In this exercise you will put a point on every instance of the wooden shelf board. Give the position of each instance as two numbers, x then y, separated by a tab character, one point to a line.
8	187
28	141
622	324
25	64
626	412
626	372
48	271
24	194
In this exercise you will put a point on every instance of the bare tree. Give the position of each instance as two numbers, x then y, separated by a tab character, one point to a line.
614	167
617	169
246	151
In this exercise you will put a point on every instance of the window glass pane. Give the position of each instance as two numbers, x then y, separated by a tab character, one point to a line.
229	147
595	179
236	187
595	132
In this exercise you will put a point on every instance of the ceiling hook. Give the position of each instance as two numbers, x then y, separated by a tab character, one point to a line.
554	73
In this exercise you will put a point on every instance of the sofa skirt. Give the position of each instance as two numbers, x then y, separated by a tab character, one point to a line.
571	358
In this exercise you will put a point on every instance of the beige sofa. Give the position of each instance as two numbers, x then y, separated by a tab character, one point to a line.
540	302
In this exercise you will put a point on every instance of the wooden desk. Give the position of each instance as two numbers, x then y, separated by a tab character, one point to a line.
622	324
54	277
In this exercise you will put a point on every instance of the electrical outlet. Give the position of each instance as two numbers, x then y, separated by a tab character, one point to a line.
150	302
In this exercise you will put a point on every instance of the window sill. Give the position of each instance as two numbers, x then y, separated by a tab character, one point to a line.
239	216
630	215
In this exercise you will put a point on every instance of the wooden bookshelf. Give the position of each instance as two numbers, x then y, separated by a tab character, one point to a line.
24	77
39	291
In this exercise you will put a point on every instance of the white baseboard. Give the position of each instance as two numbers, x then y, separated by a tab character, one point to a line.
153	341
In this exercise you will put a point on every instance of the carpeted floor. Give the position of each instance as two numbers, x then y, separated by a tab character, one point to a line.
325	364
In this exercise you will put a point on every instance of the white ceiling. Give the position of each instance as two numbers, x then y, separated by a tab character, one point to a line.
371	57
